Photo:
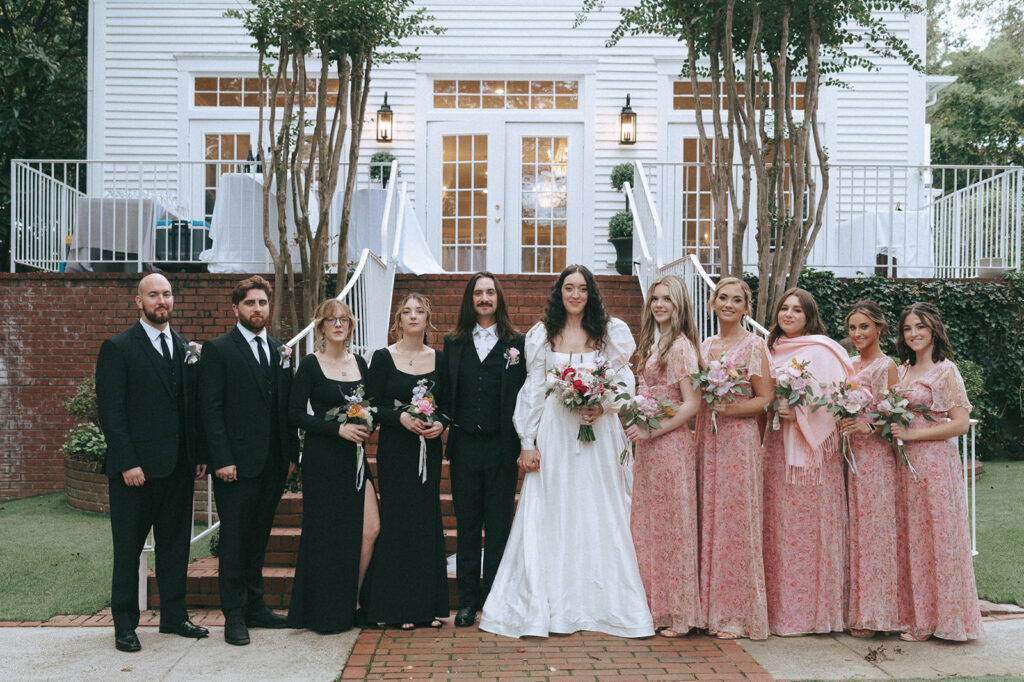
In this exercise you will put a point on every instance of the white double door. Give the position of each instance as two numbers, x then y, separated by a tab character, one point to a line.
502	196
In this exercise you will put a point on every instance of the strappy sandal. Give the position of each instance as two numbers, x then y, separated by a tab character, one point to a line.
861	634
907	637
408	626
671	634
726	635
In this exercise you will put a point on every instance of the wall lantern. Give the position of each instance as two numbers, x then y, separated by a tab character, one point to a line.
385	131
627	124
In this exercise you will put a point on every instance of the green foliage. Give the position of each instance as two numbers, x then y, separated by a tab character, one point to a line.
214	542
85	443
376	167
985	320
621	225
43	73
621	174
82	405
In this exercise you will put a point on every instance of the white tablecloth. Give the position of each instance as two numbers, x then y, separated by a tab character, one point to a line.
904	235
117	225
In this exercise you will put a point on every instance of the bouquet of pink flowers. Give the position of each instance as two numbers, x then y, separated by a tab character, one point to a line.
423	406
895	408
793	387
644	410
356	410
847	402
721	380
581	385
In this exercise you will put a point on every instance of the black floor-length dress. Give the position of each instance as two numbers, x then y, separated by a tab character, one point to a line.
409	578
327	571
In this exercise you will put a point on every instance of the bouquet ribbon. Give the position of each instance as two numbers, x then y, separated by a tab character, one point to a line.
360	466
423	460
850	456
714	422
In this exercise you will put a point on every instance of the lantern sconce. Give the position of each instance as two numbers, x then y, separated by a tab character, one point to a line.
627	124
385	130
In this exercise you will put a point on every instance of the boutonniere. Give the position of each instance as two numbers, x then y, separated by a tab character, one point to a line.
511	357
285	351
192	352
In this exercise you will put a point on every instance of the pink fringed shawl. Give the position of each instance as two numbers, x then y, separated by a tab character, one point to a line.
811	435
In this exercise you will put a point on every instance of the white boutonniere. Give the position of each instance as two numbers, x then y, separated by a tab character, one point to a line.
192	352
511	357
285	351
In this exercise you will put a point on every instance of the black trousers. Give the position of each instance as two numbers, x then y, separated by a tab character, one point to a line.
165	505
483	494
246	508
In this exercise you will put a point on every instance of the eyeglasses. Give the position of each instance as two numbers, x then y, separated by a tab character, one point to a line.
333	321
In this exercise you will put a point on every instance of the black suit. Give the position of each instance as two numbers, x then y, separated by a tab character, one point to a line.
146	410
245	424
482	451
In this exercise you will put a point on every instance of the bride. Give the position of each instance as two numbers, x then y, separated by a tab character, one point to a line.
569	563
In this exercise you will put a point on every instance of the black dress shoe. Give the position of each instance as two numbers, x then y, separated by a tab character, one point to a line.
265	618
126	641
235	632
465	617
185	629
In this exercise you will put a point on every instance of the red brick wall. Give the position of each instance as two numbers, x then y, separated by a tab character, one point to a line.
52	325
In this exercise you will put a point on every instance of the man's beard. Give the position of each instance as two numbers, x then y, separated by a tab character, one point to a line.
249	325
153	316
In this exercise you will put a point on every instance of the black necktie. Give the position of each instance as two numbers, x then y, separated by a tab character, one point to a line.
264	361
165	349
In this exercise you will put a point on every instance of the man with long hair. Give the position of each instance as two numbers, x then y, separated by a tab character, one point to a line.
486	369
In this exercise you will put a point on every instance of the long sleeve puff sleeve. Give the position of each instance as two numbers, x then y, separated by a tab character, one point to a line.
619	348
530	402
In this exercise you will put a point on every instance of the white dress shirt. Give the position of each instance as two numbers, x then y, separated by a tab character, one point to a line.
484	340
154	337
250	338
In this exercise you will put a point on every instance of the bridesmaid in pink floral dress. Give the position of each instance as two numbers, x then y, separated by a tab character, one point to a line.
805	561
937	593
872	488
664	512
732	590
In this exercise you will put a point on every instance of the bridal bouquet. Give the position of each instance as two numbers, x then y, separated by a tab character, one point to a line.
895	408
722	380
423	406
644	410
792	387
846	402
355	410
581	385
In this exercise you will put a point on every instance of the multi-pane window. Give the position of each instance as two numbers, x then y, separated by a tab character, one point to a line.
222	153
683	99
464	202
697	205
236	91
543	203
506	94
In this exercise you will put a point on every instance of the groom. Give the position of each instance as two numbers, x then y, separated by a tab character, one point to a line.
244	381
486	369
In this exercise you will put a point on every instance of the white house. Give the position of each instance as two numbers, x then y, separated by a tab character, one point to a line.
505	130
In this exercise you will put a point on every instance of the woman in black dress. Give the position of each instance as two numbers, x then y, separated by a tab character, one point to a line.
339	507
409	579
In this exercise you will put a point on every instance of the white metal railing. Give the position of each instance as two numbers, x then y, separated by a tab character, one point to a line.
368	293
173	215
905	221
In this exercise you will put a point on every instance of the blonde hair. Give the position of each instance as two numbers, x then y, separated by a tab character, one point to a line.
396	325
332	307
681	324
748	296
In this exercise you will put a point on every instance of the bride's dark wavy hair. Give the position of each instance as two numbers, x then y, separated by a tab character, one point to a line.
595	317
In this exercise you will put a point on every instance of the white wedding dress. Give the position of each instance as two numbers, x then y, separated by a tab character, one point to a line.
569	564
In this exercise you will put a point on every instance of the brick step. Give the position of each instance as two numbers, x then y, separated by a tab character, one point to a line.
283	546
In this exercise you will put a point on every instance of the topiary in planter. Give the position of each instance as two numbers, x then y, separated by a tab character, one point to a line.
622	174
85	485
380	167
621	225
620	234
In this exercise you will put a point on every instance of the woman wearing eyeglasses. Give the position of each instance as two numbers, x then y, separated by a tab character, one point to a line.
339	505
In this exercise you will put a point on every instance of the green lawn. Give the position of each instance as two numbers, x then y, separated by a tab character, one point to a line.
55	559
999	566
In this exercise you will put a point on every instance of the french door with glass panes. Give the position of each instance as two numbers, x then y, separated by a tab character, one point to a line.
506	197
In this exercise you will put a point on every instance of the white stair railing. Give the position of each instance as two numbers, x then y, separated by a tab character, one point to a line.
368	293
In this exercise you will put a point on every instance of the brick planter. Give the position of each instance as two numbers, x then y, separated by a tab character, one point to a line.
85	486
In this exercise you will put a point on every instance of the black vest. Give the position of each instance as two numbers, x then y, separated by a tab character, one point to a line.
479	399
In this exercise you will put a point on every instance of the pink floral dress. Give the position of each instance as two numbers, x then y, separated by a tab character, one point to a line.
732	589
872	498
664	513
805	562
937	593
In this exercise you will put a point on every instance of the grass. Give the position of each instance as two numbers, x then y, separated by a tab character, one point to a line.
999	566
56	560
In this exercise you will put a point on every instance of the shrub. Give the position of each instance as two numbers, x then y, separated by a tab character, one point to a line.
82	405
376	170
85	443
215	543
621	225
622	174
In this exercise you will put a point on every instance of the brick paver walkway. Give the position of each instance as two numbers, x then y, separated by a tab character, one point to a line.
457	653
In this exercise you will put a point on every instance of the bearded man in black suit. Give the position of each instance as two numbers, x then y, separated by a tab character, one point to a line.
145	397
486	369
244	380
